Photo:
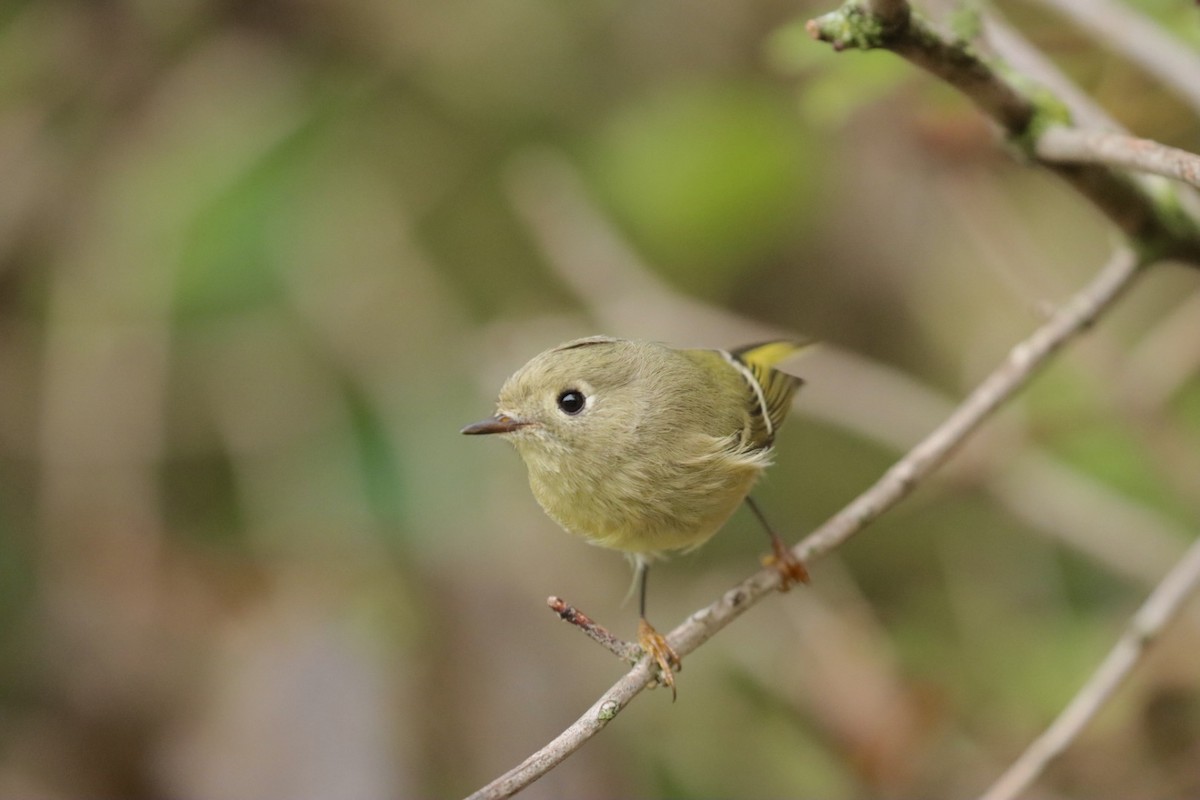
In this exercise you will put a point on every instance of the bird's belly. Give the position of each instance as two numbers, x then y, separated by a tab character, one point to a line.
647	519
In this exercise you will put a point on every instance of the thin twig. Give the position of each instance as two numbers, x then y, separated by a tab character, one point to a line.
599	634
1071	145
898	482
1020	55
1160	608
1016	370
1031	62
1139	40
854	393
1167	230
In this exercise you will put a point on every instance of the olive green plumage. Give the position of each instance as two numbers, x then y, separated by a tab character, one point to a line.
642	447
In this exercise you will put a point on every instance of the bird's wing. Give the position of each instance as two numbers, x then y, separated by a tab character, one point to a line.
771	391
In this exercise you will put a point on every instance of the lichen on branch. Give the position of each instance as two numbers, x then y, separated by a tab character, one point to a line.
1156	225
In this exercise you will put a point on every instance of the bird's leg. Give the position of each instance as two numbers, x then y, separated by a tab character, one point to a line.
653	643
791	568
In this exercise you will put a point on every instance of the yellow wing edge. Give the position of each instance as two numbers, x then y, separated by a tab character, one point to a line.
773	389
768	354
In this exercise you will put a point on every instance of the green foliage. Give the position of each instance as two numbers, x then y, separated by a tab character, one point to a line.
382	479
228	264
1179	19
833	90
1072	412
966	22
706	178
201	501
1187	405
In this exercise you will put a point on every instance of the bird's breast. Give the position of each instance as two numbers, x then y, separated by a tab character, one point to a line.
647	506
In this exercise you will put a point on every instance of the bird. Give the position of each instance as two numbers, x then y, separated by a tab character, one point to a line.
649	449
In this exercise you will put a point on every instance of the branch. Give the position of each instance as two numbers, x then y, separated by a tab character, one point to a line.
888	407
1031	62
897	483
599	634
1160	608
892	14
1022	362
916	41
1074	146
1156	224
1139	40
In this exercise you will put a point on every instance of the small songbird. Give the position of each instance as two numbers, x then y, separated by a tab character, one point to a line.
648	449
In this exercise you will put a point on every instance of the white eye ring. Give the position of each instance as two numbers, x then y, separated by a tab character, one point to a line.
571	402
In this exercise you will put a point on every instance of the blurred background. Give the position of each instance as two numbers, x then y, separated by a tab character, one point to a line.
260	261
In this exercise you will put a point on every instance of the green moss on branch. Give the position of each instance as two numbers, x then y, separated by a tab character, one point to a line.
1155	221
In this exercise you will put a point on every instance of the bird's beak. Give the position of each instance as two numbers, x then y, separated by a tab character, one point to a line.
497	424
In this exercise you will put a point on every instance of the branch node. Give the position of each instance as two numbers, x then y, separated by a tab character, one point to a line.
853	26
1158	224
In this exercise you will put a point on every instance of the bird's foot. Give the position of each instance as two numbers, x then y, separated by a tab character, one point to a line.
654	644
791	567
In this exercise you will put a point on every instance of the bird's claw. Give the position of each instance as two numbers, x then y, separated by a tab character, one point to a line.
790	567
654	644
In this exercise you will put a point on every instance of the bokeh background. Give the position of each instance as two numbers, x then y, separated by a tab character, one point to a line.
260	261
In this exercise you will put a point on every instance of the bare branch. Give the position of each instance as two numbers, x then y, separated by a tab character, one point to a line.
1033	63
1160	608
897	483
1084	112
1023	360
918	42
1158	227
1139	40
602	712
1074	146
599	634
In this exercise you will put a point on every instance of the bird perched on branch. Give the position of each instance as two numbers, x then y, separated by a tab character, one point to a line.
648	449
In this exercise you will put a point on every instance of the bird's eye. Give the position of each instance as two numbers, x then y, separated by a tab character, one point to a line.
571	401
